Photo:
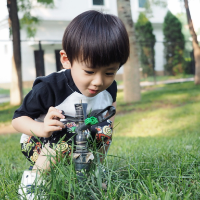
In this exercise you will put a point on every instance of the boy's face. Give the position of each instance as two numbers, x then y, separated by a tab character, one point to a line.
90	81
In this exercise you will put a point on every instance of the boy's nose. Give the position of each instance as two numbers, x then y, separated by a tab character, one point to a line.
98	80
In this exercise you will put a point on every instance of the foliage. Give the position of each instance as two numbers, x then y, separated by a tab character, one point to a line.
146	39
28	21
154	154
189	67
185	30
174	44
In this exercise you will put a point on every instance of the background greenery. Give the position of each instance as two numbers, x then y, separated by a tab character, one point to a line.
174	43
146	40
155	152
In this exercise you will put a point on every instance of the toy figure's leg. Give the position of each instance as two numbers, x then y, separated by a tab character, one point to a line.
102	132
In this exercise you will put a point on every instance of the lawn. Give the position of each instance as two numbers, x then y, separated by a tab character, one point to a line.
155	152
7	91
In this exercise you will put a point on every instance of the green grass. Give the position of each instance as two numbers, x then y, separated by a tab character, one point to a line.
6	110
7	91
6	113
4	91
155	153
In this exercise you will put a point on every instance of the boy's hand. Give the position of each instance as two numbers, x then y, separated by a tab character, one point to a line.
52	123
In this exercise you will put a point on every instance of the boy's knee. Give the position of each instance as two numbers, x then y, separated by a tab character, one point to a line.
47	150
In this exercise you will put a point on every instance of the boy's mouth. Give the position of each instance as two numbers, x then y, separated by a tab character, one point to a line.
93	91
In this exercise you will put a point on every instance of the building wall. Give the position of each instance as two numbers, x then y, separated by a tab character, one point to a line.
50	31
159	47
66	10
5	56
50	34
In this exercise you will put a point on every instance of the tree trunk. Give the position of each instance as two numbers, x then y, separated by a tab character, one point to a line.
194	43
16	82
131	74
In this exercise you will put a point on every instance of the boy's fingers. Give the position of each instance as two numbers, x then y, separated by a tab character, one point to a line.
54	109
51	109
55	114
56	123
54	128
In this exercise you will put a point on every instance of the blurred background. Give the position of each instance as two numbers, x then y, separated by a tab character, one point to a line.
164	44
155	152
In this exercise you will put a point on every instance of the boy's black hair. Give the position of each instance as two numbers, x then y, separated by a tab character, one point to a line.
97	39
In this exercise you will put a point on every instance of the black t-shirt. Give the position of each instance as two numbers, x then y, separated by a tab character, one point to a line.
58	90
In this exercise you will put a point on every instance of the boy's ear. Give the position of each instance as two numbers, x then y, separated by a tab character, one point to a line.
64	60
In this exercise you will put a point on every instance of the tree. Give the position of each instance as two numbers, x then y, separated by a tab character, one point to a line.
23	6
195	44
16	83
131	74
146	39
174	43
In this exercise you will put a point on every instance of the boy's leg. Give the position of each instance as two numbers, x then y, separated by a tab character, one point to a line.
42	151
41	157
27	186
46	156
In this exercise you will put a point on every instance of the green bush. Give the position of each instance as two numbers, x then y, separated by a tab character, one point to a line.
188	65
146	39
174	44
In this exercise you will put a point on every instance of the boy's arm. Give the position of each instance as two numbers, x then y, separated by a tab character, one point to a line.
29	126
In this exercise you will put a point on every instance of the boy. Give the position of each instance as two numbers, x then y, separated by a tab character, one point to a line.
95	46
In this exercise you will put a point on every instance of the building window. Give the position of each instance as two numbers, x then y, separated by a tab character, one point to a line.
142	3
98	2
39	62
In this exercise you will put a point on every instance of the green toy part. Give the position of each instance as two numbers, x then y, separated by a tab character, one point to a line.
91	121
73	129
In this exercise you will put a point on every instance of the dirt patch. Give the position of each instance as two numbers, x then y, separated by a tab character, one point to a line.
7	129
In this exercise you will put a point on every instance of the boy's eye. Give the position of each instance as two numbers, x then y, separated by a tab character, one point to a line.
110	74
89	72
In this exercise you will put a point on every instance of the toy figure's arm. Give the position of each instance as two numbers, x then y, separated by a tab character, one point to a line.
103	150
113	117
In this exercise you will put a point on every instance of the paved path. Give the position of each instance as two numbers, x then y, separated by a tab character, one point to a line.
146	83
6	98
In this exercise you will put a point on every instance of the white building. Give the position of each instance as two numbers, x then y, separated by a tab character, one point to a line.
50	31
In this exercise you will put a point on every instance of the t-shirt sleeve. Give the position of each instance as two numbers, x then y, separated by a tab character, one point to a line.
36	102
113	90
